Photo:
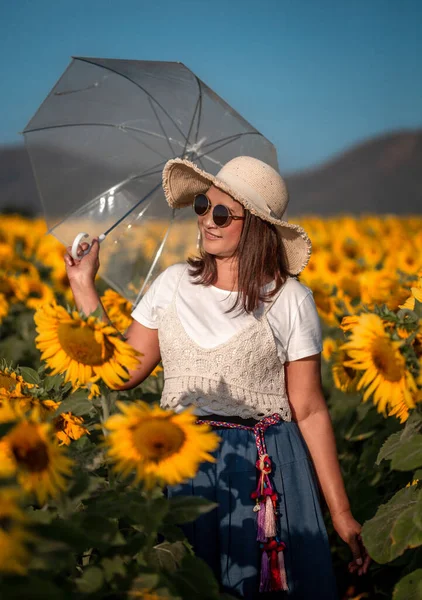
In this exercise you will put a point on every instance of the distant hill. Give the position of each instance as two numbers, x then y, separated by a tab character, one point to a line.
381	175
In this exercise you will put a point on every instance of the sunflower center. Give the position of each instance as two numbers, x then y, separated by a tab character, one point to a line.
351	373
157	439
80	344
322	301
387	361
31	453
7	382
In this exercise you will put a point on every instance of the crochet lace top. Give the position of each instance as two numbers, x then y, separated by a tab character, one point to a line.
243	376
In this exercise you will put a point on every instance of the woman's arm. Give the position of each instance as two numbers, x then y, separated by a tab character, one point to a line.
309	410
81	274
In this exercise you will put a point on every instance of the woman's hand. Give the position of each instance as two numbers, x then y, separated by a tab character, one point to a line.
84	270
350	532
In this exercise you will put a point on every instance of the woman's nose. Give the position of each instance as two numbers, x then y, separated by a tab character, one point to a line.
208	221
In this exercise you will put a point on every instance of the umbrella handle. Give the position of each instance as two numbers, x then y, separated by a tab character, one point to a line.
77	241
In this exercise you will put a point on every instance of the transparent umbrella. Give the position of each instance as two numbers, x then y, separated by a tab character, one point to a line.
98	144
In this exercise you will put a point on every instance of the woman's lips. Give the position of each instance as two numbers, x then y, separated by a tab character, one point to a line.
210	236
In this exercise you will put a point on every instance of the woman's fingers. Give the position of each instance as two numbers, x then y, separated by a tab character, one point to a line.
361	559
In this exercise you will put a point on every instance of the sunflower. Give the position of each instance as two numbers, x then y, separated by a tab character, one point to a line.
68	427
159	446
325	301
4	307
118	309
416	295
38	292
385	376
11	288
14	555
381	287
329	345
345	378
85	348
29	453
12	385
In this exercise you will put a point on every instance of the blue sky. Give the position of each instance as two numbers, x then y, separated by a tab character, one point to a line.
314	76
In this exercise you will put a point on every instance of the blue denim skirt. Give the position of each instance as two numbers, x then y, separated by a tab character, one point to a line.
226	537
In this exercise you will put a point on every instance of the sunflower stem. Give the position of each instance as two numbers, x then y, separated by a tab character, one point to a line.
105	405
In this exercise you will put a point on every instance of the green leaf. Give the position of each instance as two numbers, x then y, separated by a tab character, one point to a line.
195	580
418	308
413	425
113	566
6	427
389	447
418	510
30	375
78	404
91	581
53	382
409	455
31	588
184	509
169	556
410	587
377	532
405	534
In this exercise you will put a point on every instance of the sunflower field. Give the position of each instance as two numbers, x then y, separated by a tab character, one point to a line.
83	467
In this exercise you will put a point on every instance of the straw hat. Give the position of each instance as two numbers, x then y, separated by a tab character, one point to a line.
253	183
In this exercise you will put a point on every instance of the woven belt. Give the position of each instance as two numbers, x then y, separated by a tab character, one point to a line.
273	573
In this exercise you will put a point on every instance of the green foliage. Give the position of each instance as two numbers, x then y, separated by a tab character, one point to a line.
410	587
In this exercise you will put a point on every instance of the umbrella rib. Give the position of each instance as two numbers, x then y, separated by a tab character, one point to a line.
199	117
156	258
110	229
161	126
138	86
226	142
200	107
190	127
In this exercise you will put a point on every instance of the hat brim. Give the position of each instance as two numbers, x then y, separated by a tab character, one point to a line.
183	180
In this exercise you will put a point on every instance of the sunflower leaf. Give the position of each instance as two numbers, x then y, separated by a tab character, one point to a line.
78	404
91	581
418	308
195	580
409	455
377	533
391	444
184	509
53	382
169	556
6	427
409	587
30	375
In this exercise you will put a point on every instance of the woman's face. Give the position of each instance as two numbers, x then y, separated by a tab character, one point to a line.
221	241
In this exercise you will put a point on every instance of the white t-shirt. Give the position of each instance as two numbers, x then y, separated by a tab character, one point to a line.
293	317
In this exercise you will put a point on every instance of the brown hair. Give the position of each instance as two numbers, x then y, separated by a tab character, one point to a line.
261	259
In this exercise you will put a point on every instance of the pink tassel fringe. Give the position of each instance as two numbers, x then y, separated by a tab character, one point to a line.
260	534
283	575
270	528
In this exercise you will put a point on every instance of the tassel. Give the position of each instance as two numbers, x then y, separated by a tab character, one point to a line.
270	528
260	534
275	572
283	575
265	581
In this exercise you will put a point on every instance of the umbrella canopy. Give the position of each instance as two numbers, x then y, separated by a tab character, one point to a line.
98	144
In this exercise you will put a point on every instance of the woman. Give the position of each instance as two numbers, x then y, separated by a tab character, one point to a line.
240	339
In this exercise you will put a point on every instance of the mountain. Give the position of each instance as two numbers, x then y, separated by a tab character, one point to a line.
382	175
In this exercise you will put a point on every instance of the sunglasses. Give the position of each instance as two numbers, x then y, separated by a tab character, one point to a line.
221	215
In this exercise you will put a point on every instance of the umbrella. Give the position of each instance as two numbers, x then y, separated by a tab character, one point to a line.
98	144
